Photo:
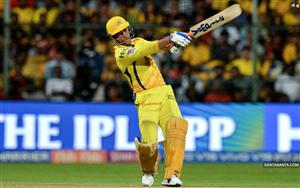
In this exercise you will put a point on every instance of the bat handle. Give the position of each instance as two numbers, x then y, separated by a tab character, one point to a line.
190	34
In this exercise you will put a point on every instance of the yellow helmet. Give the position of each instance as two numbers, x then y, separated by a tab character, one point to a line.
116	24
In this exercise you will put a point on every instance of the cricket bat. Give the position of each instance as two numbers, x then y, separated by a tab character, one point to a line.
215	21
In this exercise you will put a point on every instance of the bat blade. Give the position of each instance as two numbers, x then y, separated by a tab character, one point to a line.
215	21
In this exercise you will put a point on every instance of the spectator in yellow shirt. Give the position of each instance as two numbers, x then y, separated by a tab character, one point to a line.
244	63
196	54
51	11
24	12
290	49
36	61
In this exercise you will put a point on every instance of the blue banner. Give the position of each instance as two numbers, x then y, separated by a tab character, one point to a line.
82	126
35	126
282	128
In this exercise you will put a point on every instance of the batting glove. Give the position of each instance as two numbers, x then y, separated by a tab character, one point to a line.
180	38
175	50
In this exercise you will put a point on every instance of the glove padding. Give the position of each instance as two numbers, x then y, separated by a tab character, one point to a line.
180	38
175	49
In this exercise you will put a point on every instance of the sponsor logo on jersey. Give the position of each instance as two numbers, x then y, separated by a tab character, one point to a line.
131	51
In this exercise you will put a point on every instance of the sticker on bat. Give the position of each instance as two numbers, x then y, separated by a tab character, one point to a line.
204	27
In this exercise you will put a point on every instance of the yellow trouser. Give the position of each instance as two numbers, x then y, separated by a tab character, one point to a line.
155	106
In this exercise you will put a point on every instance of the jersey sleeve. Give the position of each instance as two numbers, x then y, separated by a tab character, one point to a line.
130	54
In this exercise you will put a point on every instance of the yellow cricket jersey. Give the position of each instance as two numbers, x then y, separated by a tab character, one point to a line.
136	63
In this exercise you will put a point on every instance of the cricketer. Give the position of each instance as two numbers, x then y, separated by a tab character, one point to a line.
154	100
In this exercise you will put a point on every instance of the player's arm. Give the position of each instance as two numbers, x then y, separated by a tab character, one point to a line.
180	39
165	44
128	55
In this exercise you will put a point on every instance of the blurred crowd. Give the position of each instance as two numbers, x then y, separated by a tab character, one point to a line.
59	50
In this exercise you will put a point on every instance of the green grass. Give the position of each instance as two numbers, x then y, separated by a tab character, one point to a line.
194	175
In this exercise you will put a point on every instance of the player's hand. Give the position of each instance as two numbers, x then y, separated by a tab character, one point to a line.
180	38
175	49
